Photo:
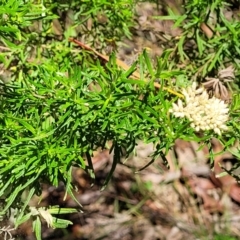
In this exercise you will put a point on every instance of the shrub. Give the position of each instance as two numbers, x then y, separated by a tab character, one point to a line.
59	103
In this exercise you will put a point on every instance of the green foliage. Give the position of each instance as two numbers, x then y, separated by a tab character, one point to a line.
61	104
49	117
100	22
224	237
209	38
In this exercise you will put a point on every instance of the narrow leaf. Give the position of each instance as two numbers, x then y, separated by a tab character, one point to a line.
37	227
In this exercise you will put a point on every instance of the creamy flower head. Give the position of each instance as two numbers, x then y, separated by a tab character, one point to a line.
203	112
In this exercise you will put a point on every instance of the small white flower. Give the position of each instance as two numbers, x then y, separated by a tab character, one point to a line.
217	131
203	112
198	91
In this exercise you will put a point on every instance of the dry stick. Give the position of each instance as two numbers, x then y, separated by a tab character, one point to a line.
123	65
208	31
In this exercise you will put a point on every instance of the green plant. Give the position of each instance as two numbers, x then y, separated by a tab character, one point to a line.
224	237
61	104
207	52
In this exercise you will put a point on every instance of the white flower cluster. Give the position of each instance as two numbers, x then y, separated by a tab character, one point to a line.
204	113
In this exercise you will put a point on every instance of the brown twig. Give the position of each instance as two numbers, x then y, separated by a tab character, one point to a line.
135	75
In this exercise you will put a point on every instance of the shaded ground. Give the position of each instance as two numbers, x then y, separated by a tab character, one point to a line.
182	201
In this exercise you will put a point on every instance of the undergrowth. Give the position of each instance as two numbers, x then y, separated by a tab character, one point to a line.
59	102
